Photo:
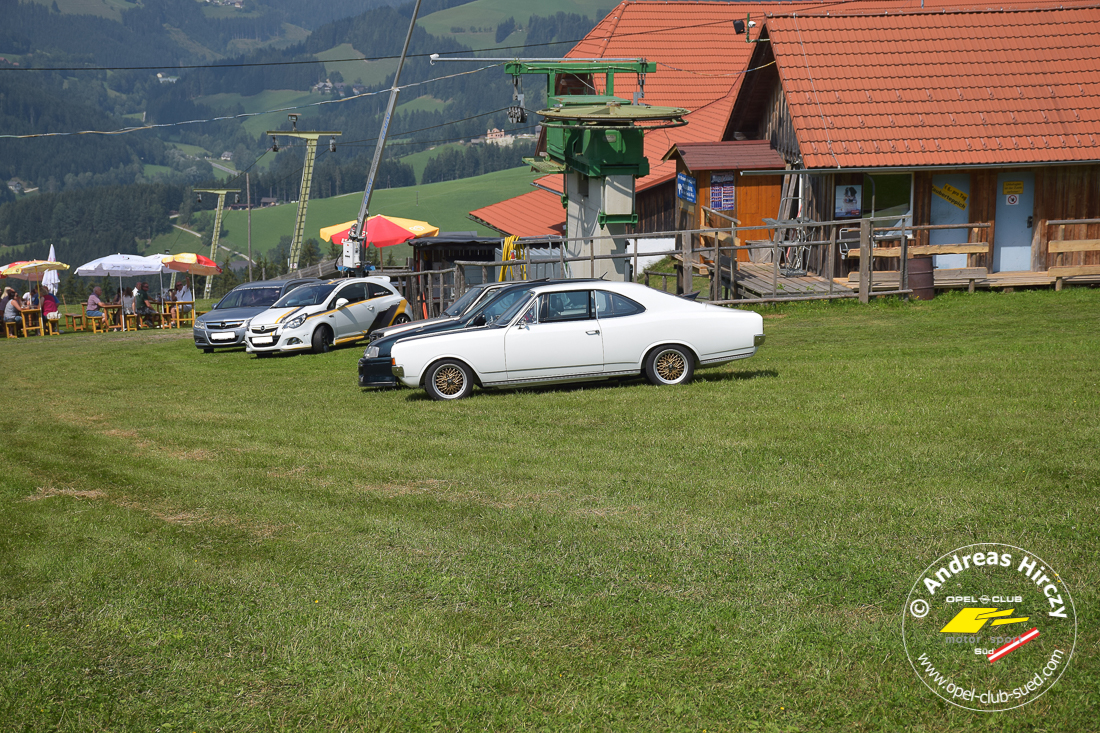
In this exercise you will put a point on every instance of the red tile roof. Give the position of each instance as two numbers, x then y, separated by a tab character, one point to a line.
948	88
740	155
534	214
700	64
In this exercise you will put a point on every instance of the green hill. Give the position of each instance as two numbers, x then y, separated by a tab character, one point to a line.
445	205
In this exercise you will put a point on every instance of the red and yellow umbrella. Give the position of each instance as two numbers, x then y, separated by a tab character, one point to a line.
192	264
382	231
31	269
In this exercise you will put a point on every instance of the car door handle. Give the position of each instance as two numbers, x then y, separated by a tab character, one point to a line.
593	333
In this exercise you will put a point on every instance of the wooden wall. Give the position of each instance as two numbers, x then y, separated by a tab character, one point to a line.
1065	193
1061	192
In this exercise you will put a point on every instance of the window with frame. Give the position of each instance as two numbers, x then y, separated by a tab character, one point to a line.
571	305
613	305
354	293
378	291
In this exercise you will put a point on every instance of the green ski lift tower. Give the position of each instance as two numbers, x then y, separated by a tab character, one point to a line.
595	139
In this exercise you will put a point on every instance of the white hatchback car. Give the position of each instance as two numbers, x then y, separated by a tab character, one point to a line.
568	332
325	314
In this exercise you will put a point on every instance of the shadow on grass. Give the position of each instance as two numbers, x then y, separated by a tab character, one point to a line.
614	383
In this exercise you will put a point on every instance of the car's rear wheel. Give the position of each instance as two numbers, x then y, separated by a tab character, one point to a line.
449	380
669	365
322	340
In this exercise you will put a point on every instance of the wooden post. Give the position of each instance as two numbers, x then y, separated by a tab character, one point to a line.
831	264
592	258
775	264
460	281
903	267
864	261
413	297
634	269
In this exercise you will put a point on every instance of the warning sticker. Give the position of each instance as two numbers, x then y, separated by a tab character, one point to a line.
1010	187
1012	199
951	195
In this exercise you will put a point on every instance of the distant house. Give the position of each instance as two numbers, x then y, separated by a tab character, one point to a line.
227	155
268	201
15	185
499	137
164	79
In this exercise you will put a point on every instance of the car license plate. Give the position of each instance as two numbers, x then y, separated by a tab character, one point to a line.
262	340
222	336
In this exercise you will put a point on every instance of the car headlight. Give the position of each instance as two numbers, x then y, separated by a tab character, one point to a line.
372	352
296	321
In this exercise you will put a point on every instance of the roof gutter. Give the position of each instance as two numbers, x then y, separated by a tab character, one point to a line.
915	168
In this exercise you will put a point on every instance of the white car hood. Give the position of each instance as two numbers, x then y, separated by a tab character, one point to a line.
274	316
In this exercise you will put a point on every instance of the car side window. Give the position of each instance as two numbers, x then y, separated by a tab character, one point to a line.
613	305
378	291
572	305
354	293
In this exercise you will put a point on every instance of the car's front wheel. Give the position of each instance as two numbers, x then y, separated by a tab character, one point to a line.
669	365
401	318
322	340
449	380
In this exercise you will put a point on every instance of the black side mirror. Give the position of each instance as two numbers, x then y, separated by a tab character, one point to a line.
479	321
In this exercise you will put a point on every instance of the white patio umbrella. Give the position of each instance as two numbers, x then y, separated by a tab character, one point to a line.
50	278
121	266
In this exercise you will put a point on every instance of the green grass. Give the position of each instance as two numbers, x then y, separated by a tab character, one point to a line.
269	99
191	149
371	72
418	161
490	13
179	550
111	9
423	104
445	205
150	170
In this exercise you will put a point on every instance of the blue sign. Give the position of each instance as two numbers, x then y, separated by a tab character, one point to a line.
685	187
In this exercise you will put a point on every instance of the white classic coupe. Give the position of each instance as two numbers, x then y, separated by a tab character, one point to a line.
570	332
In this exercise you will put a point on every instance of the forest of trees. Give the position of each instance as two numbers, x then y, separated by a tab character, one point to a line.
474	160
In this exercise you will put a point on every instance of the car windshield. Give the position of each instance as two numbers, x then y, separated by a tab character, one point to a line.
464	302
306	295
504	316
249	298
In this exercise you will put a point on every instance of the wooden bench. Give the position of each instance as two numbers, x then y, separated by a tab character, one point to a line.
946	277
1062	246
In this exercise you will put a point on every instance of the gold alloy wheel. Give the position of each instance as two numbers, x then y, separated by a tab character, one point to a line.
670	365
449	380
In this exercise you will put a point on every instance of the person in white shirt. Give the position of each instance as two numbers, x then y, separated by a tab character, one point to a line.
184	298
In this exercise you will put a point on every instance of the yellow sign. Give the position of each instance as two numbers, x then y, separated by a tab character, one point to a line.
951	195
1013	187
971	620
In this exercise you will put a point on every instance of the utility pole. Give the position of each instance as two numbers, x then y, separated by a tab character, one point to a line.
307	178
221	192
248	189
354	257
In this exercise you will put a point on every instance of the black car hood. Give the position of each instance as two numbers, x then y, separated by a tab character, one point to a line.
386	343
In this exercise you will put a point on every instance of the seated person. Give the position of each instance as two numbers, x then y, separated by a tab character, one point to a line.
127	302
182	295
50	310
94	307
142	307
13	310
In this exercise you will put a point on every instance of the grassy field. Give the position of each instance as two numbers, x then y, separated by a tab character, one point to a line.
265	100
445	205
488	14
418	161
370	72
213	542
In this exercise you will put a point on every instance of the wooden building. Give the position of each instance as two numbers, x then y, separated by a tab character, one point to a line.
997	122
